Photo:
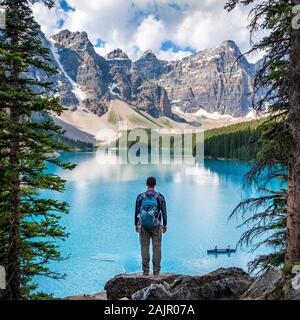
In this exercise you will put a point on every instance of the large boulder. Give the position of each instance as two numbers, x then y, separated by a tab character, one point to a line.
268	286
222	284
125	285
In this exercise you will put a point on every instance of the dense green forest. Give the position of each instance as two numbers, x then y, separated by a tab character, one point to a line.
240	141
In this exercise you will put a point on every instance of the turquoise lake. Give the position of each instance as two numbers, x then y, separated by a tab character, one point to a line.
103	242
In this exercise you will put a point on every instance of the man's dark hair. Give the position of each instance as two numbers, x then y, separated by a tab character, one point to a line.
151	182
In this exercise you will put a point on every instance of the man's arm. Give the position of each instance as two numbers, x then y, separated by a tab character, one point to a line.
163	208
136	214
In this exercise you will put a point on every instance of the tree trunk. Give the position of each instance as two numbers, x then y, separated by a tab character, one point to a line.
13	268
293	218
13	273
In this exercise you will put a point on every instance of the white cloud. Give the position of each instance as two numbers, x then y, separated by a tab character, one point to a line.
205	29
170	55
138	25
149	35
49	19
103	50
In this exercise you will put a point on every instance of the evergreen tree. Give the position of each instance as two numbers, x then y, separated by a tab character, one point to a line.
29	223
238	141
276	214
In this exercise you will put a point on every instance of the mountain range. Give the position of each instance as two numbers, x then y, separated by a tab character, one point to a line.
148	91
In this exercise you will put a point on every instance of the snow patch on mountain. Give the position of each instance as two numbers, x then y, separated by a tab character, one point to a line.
204	114
80	95
177	109
252	115
111	89
174	102
213	116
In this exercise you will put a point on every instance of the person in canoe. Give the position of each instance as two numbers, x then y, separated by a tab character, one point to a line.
150	222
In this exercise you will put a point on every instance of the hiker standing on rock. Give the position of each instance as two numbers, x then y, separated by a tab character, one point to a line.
150	223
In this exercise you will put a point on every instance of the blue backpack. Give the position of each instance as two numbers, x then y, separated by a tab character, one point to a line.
149	212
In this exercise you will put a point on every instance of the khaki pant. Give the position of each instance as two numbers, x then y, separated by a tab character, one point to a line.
145	236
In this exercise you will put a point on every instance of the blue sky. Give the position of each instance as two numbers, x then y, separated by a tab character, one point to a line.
65	5
172	29
169	45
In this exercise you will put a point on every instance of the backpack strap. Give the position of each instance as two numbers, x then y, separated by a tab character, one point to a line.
156	196
144	196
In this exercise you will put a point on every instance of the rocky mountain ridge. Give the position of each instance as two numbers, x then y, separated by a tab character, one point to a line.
213	80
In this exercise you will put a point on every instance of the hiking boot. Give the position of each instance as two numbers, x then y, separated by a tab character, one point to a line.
145	274
156	274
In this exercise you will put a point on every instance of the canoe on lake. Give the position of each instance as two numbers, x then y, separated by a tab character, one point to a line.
221	251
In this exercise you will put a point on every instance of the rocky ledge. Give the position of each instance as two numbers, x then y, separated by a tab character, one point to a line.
125	285
222	284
